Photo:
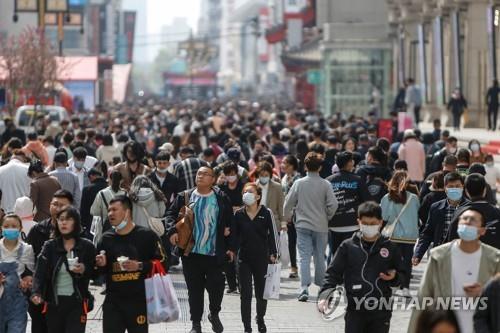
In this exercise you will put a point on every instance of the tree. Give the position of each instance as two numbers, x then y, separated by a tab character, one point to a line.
31	66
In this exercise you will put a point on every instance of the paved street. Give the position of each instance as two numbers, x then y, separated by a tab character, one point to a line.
286	315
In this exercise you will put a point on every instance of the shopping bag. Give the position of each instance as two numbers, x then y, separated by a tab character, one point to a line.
273	280
284	253
161	300
405	121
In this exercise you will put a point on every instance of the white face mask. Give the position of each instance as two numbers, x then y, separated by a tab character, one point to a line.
369	231
248	198
162	170
231	179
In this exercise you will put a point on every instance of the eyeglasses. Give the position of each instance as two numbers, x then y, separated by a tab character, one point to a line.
205	174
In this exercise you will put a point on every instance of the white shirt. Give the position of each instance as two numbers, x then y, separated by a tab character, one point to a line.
89	163
464	271
80	174
492	175
14	183
51	152
265	188
27	258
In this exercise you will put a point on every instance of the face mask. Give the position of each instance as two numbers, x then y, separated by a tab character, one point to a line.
452	150
248	198
10	234
474	147
231	179
162	170
454	194
122	225
79	164
264	180
467	233
369	231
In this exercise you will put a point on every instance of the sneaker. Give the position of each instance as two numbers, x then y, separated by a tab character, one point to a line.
261	325
293	274
406	293
216	323
304	296
196	328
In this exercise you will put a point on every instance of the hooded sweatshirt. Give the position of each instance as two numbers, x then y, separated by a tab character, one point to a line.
147	201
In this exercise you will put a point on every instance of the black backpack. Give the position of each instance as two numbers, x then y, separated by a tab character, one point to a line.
376	188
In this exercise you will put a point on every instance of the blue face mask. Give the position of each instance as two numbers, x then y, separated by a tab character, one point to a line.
454	194
79	164
122	225
264	180
467	233
10	234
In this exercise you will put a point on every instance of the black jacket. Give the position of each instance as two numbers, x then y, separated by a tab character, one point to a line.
357	264
487	320
53	258
372	175
89	194
437	160
170	186
492	218
224	220
427	201
38	235
348	190
433	229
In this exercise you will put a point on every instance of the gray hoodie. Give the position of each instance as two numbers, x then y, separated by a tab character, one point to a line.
146	201
314	202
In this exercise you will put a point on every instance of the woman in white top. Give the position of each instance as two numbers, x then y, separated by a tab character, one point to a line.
16	259
24	209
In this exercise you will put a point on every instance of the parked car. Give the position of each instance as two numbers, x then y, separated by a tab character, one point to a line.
25	115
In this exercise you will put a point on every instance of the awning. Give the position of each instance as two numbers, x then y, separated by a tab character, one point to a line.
308	54
77	68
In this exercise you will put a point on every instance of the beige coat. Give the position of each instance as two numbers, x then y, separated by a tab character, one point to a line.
274	201
436	281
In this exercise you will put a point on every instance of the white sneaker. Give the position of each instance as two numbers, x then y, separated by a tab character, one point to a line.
406	293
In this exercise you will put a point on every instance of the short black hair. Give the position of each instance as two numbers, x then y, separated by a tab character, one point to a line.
384	144
64	194
378	154
477	168
450	160
453	176
451	139
187	150
318	148
475	185
123	199
162	156
208	152
32	136
463	155
400	164
264	166
229	166
73	213
136	148
35	166
343	158
95	172
292	160
107	140
370	209
80	153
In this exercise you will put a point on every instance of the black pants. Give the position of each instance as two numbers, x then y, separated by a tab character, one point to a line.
416	112
456	119
231	278
255	269
67	316
407	254
492	117
38	320
334	241
367	321
292	244
203	272
121	315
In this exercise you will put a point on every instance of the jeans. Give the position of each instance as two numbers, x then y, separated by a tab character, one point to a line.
13	304
311	243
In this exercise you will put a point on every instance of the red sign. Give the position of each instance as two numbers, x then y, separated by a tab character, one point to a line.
385	129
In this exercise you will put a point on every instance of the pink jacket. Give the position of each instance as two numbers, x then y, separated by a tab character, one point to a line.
412	151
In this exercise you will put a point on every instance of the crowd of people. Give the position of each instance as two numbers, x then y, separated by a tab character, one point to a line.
99	198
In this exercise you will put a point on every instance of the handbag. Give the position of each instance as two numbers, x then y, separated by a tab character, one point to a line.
273	280
184	227
389	229
161	301
155	223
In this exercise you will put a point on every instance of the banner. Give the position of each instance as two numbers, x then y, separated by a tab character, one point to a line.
439	60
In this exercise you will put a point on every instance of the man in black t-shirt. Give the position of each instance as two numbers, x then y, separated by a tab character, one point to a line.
124	307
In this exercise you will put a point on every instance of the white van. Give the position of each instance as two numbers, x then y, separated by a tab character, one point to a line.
25	115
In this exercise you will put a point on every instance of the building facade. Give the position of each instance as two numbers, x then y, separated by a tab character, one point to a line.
445	45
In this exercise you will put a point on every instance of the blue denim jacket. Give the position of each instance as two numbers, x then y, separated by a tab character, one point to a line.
406	230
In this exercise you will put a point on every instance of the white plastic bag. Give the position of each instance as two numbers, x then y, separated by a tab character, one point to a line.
273	280
161	300
283	250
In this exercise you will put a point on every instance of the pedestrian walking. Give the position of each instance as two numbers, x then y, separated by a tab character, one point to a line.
253	235
42	189
125	257
313	200
457	105
492	104
62	275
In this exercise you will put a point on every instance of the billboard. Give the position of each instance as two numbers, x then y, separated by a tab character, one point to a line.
129	19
